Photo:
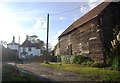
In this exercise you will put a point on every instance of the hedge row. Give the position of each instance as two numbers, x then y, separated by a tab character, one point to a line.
80	59
73	59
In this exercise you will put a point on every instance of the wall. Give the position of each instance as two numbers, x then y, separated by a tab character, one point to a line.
8	55
13	47
110	19
92	38
33	51
83	40
56	50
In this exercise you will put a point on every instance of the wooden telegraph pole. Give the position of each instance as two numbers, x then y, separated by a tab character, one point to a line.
47	33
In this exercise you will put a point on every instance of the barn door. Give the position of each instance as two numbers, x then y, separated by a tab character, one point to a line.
70	49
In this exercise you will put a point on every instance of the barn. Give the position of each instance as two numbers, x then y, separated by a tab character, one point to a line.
91	34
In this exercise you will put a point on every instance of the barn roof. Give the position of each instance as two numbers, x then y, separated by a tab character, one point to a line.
87	17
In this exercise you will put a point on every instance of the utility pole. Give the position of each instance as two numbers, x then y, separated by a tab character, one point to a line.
47	33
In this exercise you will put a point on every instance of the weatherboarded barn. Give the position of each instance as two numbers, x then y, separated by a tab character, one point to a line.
91	34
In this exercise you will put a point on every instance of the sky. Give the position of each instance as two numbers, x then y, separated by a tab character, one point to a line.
30	18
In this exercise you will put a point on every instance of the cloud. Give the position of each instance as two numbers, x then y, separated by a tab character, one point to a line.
40	25
90	5
93	3
35	11
55	40
84	9
24	18
58	34
9	26
61	18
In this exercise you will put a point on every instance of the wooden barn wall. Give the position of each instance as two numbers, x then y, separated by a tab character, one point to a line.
83	40
94	36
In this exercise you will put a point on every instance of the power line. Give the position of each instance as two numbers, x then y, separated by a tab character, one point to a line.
70	10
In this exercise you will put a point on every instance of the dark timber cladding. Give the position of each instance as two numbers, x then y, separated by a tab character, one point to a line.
92	33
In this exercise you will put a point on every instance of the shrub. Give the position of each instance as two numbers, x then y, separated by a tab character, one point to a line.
74	59
115	64
79	59
97	64
58	58
46	62
108	61
67	59
63	59
89	63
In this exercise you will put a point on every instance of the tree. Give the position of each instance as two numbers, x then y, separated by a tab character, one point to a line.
115	50
3	43
49	49
40	43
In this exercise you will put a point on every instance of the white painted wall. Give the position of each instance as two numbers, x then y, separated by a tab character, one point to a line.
33	51
13	47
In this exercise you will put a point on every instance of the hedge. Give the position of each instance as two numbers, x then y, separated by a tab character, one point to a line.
78	59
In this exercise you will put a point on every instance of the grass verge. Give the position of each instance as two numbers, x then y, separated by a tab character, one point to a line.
98	74
10	73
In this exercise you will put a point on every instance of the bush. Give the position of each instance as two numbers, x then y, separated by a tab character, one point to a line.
108	61
115	64
80	59
97	64
46	62
74	59
66	59
89	63
58	58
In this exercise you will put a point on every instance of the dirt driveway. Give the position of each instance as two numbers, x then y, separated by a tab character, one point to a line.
51	73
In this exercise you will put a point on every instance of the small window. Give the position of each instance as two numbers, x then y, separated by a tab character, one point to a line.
29	49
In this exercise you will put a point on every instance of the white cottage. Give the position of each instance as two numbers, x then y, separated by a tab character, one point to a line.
13	45
29	49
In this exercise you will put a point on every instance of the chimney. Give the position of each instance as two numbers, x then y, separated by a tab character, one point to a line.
19	40
13	41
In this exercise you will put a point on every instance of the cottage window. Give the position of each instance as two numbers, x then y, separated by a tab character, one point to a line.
29	49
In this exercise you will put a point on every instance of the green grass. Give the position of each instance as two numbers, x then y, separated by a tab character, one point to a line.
98	74
9	73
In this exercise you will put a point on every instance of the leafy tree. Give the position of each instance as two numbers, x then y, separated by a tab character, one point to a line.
115	50
41	44
49	49
3	43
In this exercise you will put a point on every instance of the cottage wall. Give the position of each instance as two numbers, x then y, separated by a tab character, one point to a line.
33	51
13	46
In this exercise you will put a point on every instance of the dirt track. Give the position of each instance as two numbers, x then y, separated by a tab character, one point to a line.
51	73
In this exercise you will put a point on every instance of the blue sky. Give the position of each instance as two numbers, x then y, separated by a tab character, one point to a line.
30	18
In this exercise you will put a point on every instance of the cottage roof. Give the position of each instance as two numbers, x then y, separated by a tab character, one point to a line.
13	44
28	43
87	17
